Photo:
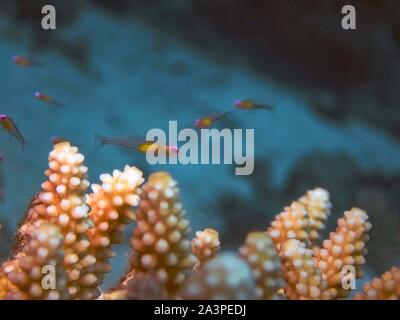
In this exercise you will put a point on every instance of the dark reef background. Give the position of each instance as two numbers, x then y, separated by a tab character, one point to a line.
123	67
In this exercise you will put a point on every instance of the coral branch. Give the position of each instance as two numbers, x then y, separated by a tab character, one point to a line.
304	220
111	209
259	252
387	287
318	207
225	277
160	240
345	247
303	279
205	246
62	202
292	223
25	274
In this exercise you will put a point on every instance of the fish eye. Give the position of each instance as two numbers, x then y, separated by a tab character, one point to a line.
3	117
238	102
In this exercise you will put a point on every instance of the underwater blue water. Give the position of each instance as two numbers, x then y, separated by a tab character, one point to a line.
134	88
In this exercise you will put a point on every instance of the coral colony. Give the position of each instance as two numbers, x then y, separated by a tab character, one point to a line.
63	246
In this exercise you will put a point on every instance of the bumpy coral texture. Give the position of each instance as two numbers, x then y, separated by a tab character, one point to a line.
205	246
160	240
304	220
259	252
225	277
303	279
111	205
344	247
59	231
387	287
62	202
292	223
25	273
318	208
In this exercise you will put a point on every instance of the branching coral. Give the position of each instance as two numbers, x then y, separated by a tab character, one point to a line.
62	202
111	209
72	233
259	252
205	246
345	247
387	287
160	240
225	277
303	220
318	208
24	273
292	223
303	279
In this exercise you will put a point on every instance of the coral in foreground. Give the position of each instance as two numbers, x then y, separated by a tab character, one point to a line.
303	279
318	208
160	240
259	252
292	223
72	233
387	287
304	220
62	202
345	247
223	278
24	273
205	246
111	205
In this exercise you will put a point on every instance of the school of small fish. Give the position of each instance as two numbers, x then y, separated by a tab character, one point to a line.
138	144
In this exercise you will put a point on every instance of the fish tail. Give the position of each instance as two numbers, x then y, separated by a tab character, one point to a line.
99	140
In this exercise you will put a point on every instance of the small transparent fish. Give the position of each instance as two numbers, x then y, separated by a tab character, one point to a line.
248	104
209	120
24	61
9	125
138	144
46	98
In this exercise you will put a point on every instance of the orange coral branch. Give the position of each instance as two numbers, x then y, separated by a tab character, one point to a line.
345	247
387	287
259	252
111	209
160	240
303	279
25	273
205	246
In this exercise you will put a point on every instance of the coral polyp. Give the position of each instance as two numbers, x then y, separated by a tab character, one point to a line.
63	246
259	252
387	287
160	241
23	275
205	246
